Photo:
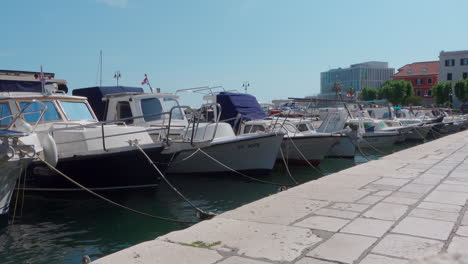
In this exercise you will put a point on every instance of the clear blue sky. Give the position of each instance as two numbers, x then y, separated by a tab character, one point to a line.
279	46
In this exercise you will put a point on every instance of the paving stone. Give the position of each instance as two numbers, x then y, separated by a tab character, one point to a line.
276	210
432	181
239	260
383	187
458	244
370	199
383	193
337	213
400	200
391	181
465	219
456	181
342	247
407	195
367	227
308	260
434	214
416	188
323	223
251	239
456	198
161	252
353	207
424	227
386	211
407	247
440	207
452	188
377	259
323	192
462	231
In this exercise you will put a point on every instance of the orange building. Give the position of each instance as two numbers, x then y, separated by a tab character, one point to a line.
423	76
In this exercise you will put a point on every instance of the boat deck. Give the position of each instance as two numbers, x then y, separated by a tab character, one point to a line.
407	205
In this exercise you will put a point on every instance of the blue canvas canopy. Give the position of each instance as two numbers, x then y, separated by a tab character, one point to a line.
95	95
233	104
25	86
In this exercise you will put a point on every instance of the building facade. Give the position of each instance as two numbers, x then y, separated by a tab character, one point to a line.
423	76
453	66
367	74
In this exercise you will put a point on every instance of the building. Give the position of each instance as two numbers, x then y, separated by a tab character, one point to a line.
366	74
453	66
423	76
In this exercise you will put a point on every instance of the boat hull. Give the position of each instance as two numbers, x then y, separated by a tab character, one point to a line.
378	140
344	147
114	170
419	132
10	173
313	149
247	153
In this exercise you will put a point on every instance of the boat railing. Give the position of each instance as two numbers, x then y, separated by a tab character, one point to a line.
217	116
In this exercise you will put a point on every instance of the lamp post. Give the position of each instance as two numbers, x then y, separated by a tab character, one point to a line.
245	85
117	76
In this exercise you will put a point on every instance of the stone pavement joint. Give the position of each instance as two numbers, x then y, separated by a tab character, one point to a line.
405	206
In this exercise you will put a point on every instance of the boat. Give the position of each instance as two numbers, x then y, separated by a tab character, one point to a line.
98	155
198	146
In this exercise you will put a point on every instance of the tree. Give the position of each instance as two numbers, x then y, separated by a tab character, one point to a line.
413	100
461	90
441	92
336	88
350	91
396	91
368	94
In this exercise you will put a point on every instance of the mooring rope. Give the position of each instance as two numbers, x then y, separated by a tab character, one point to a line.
199	210
374	148
242	174
17	196
110	201
303	156
287	167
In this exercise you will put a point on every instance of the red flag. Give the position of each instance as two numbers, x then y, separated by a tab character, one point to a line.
145	81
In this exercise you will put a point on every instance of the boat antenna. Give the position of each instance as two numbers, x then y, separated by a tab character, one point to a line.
117	76
100	68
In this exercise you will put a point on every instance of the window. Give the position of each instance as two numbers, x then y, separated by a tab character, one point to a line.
302	127
418	81
429	93
429	81
151	106
124	111
76	111
450	63
410	71
465	75
171	102
32	113
4	112
449	76
418	92
253	129
424	70
464	61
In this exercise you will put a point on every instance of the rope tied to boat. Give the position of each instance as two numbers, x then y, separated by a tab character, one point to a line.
200	212
242	174
109	200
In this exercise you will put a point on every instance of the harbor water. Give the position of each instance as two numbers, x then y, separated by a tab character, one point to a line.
58	228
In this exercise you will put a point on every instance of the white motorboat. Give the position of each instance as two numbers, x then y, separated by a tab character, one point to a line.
98	155
374	133
220	149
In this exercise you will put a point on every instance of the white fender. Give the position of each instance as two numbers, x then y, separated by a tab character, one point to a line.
49	149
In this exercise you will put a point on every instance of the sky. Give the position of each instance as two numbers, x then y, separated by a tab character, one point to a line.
279	47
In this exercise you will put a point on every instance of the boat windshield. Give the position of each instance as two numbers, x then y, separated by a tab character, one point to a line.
151	106
4	112
32	113
76	110
177	113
